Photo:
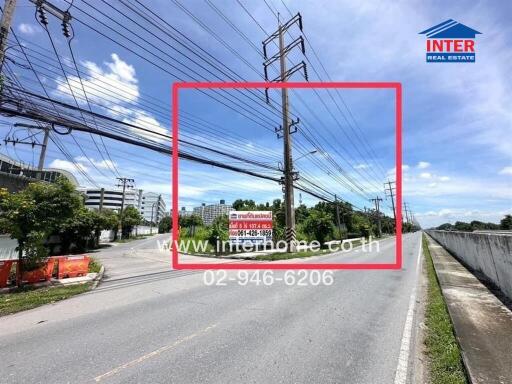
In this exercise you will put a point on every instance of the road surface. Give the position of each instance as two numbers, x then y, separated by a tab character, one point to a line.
147	324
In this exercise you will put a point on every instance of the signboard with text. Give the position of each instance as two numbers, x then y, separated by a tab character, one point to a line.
253	227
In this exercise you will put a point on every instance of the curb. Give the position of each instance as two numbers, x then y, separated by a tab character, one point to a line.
98	278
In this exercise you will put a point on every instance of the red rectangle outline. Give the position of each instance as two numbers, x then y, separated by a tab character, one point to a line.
251	85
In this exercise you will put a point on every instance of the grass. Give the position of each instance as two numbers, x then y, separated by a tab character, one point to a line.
30	297
94	265
445	361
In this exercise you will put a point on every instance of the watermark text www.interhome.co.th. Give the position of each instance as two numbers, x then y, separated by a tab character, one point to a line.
223	247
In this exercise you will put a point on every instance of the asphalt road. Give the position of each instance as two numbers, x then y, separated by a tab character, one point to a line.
147	324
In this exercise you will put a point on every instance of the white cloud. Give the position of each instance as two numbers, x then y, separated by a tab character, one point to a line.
362	166
444	178
423	164
392	172
103	164
116	89
425	175
27	29
506	171
68	166
141	119
104	86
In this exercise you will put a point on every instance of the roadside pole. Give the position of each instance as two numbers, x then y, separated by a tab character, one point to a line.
285	131
124	182
5	26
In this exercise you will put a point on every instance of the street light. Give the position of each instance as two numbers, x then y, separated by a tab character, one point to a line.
306	154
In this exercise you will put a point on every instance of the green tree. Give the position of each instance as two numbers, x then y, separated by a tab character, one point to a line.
219	230
360	224
301	213
164	226
31	215
190	221
129	219
445	227
82	231
462	226
506	222
244	205
319	225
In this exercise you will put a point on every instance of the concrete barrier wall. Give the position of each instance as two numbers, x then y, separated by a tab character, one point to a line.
490	254
107	236
8	248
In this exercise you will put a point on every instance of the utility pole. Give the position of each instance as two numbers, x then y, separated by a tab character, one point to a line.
33	143
377	201
285	130
391	190
406	212
42	154
125	183
5	26
102	198
151	222
338	221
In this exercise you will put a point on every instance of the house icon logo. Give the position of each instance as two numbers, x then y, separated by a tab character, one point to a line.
450	42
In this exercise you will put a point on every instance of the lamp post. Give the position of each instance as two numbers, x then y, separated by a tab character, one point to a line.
306	154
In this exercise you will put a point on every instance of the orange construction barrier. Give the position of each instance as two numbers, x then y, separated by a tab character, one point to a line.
43	273
5	269
73	266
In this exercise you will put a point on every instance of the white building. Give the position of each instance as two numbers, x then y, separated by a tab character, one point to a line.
15	175
111	198
183	212
152	207
209	213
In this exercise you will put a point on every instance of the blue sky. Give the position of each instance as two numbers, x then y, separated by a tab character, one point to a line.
456	117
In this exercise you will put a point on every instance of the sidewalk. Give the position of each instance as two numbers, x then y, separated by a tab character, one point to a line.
483	325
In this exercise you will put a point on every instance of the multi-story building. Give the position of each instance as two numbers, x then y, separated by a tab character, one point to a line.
15	175
209	213
152	207
183	212
111	198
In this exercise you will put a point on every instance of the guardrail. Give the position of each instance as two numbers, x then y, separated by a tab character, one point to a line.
487	253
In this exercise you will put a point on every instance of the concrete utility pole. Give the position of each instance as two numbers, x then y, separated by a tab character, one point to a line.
102	198
42	154
33	143
391	190
5	26
338	221
406	212
285	130
288	162
377	201
151	222
125	183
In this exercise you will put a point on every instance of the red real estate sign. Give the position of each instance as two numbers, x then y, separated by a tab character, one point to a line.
254	227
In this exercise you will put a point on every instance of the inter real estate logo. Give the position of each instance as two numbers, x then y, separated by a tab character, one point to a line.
450	42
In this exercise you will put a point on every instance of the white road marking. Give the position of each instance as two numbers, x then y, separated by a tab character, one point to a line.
153	354
403	358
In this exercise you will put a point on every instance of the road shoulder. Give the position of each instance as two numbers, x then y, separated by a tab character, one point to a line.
482	324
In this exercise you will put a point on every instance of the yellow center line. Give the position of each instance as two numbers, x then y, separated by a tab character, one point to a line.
153	354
